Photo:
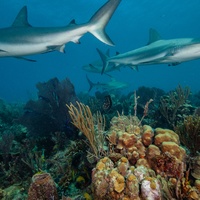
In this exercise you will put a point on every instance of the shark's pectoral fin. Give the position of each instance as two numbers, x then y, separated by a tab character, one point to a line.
60	48
134	67
27	59
19	57
77	41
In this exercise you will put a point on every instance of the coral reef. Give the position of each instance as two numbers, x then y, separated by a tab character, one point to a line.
13	192
118	159
140	162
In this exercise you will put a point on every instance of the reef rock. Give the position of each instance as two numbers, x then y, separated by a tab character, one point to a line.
142	164
42	187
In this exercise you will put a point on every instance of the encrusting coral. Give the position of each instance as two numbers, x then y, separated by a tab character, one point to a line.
142	163
110	182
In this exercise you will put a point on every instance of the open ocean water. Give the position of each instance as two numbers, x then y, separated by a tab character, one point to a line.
59	146
128	28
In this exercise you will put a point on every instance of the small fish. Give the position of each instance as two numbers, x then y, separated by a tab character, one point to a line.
107	103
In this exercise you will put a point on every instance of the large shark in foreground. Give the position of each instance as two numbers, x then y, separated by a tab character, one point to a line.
21	39
157	51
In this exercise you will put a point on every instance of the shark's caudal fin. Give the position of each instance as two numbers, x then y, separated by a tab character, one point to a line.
104	58
100	19
90	83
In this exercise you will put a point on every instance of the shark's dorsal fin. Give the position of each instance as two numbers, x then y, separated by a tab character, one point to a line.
153	36
21	18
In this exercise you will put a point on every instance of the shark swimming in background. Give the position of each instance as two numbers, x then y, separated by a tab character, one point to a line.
96	66
21	39
107	86
157	51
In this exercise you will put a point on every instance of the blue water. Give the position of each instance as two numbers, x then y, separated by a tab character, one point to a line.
128	28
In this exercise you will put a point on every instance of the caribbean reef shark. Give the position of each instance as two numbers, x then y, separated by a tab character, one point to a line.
107	86
157	51
96	66
21	39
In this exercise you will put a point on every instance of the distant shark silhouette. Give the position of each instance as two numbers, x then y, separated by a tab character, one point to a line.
21	39
157	51
107	86
96	66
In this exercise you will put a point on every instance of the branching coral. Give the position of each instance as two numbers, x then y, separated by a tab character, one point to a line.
82	118
169	105
189	133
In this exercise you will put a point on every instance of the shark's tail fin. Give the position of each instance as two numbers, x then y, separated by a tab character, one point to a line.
90	83
100	19
104	58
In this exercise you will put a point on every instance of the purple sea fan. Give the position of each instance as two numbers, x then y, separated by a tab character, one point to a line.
49	113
